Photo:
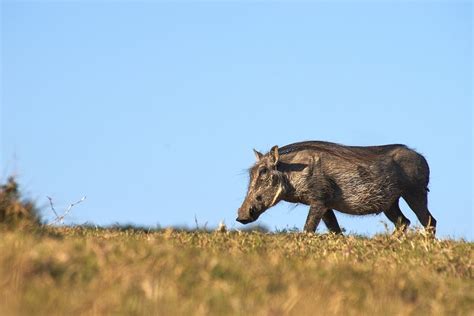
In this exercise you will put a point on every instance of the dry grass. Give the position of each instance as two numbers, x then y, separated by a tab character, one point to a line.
85	270
47	270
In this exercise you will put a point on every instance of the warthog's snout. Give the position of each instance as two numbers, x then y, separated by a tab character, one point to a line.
247	216
244	220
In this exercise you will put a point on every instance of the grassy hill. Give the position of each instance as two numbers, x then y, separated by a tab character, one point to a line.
85	270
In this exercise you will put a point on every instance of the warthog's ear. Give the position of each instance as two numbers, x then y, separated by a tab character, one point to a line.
258	155
274	154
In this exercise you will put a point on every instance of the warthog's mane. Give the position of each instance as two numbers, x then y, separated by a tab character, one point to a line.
346	152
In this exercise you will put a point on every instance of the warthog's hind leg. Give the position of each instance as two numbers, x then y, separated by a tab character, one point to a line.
395	215
418	202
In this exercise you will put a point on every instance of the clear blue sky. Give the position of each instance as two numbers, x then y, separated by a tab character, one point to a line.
152	109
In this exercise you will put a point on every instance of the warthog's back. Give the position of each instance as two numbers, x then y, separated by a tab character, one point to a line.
355	153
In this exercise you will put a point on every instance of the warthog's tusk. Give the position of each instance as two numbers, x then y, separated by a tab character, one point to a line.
276	195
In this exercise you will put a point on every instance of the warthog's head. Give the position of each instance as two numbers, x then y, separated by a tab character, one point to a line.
266	188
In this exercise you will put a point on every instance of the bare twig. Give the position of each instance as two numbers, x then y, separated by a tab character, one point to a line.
52	206
60	218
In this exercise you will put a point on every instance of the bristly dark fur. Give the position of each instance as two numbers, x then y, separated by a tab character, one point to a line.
351	179
348	152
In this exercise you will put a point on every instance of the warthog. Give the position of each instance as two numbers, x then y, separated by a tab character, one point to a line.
350	179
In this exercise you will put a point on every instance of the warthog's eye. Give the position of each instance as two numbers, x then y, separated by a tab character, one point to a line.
263	171
259	198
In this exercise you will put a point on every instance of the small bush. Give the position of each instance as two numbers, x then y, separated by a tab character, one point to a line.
14	210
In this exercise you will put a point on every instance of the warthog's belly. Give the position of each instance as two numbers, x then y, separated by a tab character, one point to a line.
367	190
367	199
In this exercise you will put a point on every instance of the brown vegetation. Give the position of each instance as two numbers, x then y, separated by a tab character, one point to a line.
15	211
167	272
51	270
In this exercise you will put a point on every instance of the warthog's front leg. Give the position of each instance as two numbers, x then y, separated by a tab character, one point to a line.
316	212
330	220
